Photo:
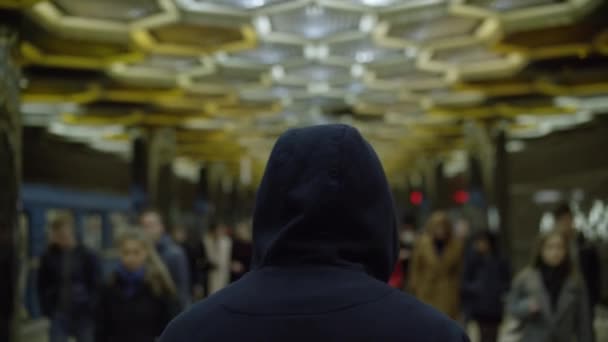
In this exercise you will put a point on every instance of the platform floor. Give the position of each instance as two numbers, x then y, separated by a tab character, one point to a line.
36	331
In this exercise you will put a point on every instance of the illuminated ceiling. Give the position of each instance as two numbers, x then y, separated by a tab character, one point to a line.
230	75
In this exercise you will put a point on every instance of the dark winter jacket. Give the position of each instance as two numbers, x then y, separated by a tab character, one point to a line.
589	265
140	316
176	262
241	253
324	245
486	281
68	282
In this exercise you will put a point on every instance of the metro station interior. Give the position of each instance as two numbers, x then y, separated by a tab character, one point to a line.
493	110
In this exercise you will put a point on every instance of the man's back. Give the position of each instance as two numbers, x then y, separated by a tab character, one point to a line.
324	238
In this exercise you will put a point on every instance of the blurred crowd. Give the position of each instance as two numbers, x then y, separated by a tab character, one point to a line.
157	275
464	274
467	276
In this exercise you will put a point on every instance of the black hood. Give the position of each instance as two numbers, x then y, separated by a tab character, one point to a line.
324	199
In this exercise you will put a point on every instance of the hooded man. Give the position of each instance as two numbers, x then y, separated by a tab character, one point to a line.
324	245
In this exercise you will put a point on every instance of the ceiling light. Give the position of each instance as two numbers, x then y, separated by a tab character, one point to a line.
364	56
310	51
357	70
411	52
277	72
378	3
322	51
514	146
367	23
254	3
262	25
318	87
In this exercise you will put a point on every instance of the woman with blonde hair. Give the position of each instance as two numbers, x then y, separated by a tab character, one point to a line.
140	298
436	266
548	298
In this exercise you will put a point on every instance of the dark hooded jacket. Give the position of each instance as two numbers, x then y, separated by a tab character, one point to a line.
325	243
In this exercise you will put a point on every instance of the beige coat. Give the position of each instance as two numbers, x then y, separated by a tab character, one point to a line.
435	279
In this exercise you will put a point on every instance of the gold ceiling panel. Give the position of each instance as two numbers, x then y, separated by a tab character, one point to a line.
432	25
245	109
541	87
111	10
17	3
521	15
45	94
41	47
499	110
554	42
110	20
188	39
472	60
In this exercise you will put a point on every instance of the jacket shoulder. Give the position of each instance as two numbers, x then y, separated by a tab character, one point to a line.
187	325
439	326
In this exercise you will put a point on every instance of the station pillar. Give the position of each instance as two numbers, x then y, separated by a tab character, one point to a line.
489	148
10	170
153	180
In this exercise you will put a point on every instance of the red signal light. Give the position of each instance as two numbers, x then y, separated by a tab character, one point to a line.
416	197
461	197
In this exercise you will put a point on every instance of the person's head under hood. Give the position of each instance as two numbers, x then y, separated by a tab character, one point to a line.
324	199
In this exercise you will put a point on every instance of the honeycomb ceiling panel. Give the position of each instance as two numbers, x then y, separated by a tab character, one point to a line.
168	63
430	23
314	21
41	47
509	5
269	53
376	3
52	44
241	4
317	73
274	93
256	67
116	10
363	51
468	55
198	36
229	76
404	75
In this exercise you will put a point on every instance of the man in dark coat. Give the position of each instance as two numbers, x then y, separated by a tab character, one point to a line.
324	245
68	284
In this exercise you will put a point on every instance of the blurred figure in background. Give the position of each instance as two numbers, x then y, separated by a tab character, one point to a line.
549	297
407	238
197	259
436	266
218	245
584	255
172	255
140	298
68	284
241	251
486	280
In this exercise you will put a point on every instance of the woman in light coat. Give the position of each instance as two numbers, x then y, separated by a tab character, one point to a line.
549	299
437	261
219	249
